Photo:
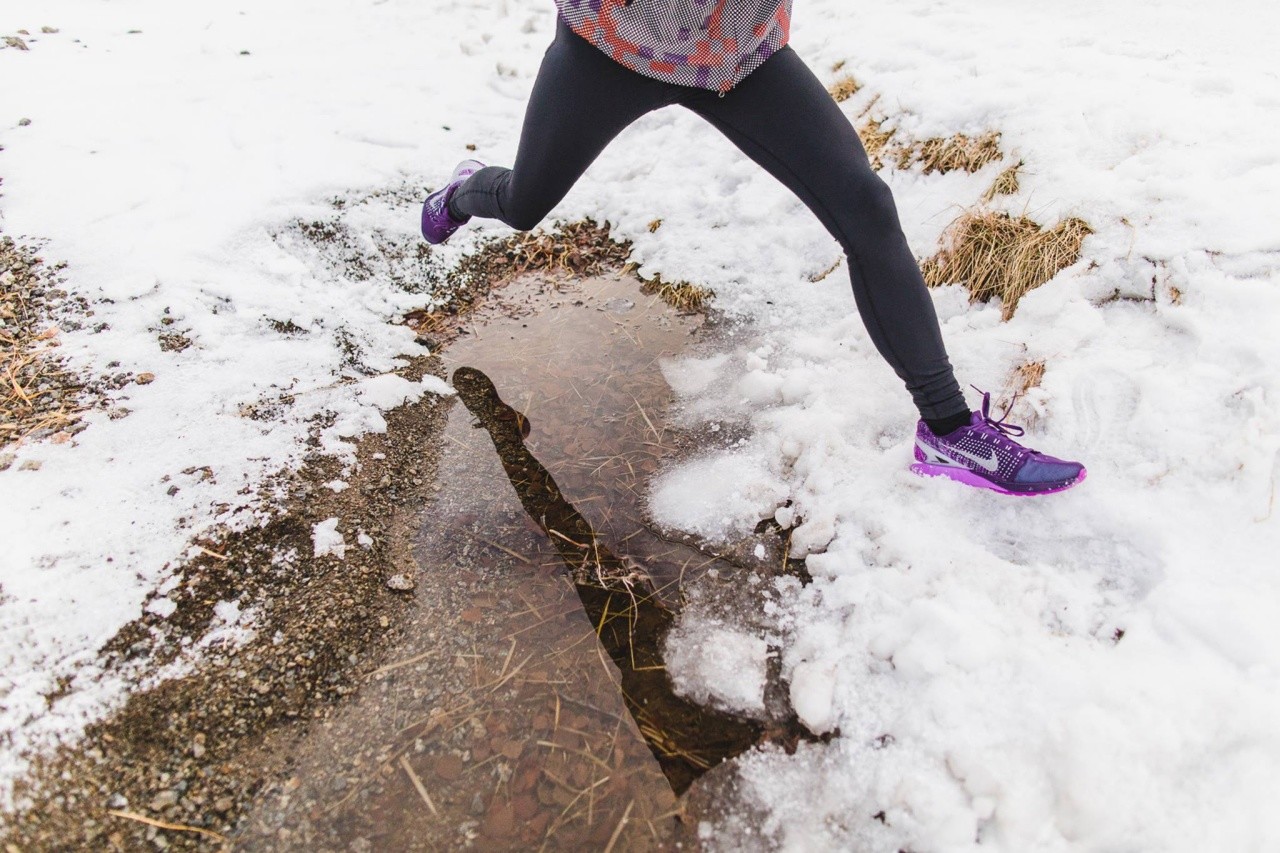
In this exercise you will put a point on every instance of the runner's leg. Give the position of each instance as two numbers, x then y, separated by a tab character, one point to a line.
581	100
782	117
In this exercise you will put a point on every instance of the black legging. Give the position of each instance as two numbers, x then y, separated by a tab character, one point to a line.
781	117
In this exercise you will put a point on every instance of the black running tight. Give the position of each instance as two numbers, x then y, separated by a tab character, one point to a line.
781	117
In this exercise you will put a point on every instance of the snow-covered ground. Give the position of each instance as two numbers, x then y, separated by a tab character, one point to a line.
964	644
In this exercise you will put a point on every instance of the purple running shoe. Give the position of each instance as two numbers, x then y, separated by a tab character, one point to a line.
438	224
982	454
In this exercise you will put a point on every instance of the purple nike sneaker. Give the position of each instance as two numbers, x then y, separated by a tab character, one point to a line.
982	454
438	224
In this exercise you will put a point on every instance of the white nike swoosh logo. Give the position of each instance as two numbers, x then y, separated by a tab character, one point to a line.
989	465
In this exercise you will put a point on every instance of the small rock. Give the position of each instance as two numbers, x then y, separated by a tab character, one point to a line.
24	122
6	459
222	805
401	583
30	465
48	30
145	378
163	800
117	801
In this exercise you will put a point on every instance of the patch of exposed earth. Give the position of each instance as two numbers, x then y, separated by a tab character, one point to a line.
449	680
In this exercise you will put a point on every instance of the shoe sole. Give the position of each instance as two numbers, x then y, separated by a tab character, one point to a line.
969	478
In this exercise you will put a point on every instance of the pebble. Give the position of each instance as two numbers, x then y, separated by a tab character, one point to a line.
163	800
401	583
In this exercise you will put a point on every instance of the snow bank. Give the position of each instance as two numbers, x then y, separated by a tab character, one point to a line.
1097	670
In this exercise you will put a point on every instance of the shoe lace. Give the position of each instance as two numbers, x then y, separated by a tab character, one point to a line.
998	425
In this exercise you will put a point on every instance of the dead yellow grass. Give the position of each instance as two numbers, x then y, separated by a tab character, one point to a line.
958	152
995	255
1006	183
844	88
1027	376
875	139
583	248
681	295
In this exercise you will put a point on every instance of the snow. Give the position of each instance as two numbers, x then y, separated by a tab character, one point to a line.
1097	670
327	539
715	664
967	648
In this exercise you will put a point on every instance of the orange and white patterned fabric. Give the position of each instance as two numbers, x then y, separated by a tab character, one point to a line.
710	44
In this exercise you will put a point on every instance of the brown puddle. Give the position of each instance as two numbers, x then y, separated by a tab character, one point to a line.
524	704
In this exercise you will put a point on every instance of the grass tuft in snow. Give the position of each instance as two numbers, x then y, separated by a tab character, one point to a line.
1006	183
582	248
1028	375
875	139
844	88
681	295
959	152
1025	377
998	256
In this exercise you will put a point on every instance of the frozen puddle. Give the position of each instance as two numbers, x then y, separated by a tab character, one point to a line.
526	704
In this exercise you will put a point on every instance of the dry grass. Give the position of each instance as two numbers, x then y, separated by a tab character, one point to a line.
1027	376
875	139
38	396
1024	378
581	249
958	152
844	88
822	274
995	255
681	295
1006	183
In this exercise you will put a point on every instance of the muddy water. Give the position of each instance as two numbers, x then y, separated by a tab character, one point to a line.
524	705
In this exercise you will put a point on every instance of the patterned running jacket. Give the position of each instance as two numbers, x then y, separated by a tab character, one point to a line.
711	44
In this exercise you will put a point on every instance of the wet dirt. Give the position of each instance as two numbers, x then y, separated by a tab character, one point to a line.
526	705
484	666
